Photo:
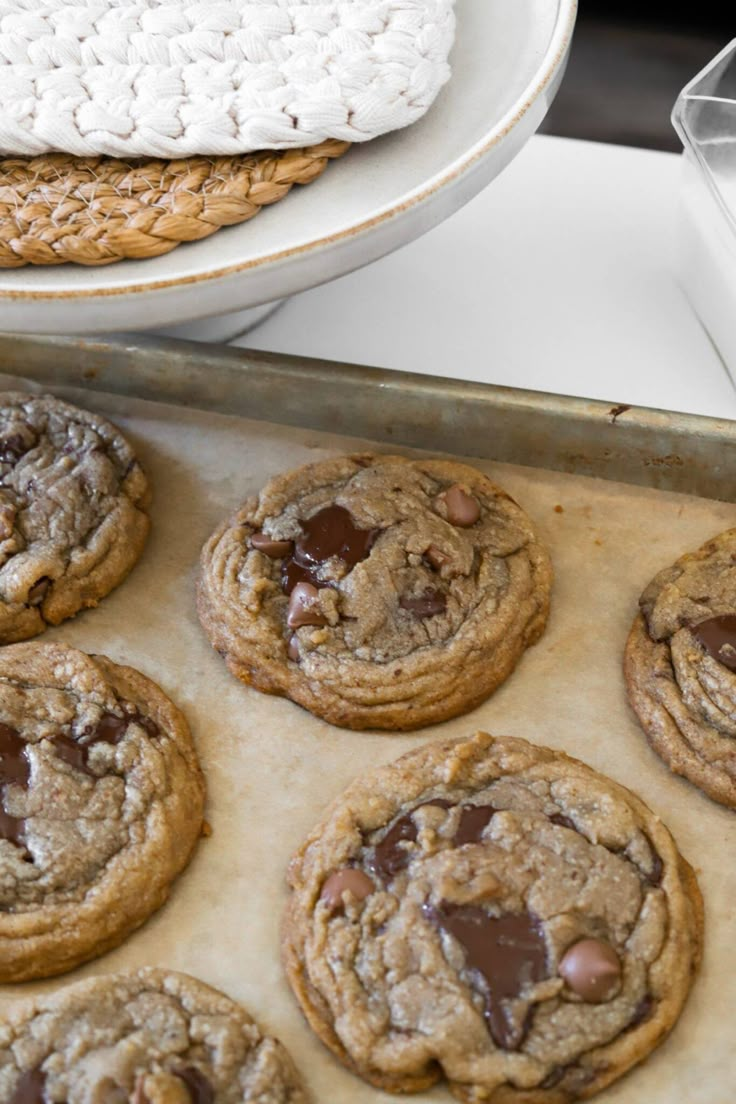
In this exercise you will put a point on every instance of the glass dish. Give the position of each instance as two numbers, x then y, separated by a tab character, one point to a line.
704	116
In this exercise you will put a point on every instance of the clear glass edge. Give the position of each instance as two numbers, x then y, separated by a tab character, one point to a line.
689	142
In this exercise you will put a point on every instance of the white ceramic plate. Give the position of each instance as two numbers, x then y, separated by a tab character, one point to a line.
507	63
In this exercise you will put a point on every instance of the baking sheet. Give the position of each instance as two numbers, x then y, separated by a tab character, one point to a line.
271	768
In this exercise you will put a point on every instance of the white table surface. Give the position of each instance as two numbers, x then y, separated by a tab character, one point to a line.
559	277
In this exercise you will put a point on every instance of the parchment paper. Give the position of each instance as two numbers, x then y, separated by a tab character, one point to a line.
271	768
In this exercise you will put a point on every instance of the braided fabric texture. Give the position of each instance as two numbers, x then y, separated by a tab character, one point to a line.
96	211
177	78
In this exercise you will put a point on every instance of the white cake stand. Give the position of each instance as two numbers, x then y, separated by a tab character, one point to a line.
507	65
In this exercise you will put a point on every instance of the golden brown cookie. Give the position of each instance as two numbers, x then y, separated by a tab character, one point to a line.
73	517
494	914
144	1037
377	592
101	801
680	666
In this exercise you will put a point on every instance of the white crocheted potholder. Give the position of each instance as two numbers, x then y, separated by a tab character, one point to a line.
173	78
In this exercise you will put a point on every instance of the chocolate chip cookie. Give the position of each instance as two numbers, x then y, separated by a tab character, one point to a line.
145	1037
375	591
680	666
73	516
495	914
101	800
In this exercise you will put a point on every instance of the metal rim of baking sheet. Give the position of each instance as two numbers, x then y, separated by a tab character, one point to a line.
611	440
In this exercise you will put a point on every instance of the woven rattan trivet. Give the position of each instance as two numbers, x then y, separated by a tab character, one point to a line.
94	211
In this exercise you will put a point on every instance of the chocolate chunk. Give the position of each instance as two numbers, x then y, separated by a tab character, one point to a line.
110	729
276	549
12	828
575	1078
655	875
505	953
147	724
200	1089
292	574
292	649
304	608
717	637
436	558
461	508
14	764
562	821
38	591
329	533
592	969
388	857
642	1012
29	1089
347	880
553	1077
72	752
425	605
473	821
15	768
17	445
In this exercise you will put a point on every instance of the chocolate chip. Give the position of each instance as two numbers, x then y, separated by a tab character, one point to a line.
473	821
110	729
200	1089
425	605
592	969
389	857
38	591
16	445
506	953
347	880
14	764
29	1088
642	1012
436	558
304	607
562	821
575	1078
717	637
72	752
15	768
147	724
461	508
553	1078
330	533
292	649
655	874
276	549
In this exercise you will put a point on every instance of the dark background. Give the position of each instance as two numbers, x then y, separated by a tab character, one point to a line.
629	62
